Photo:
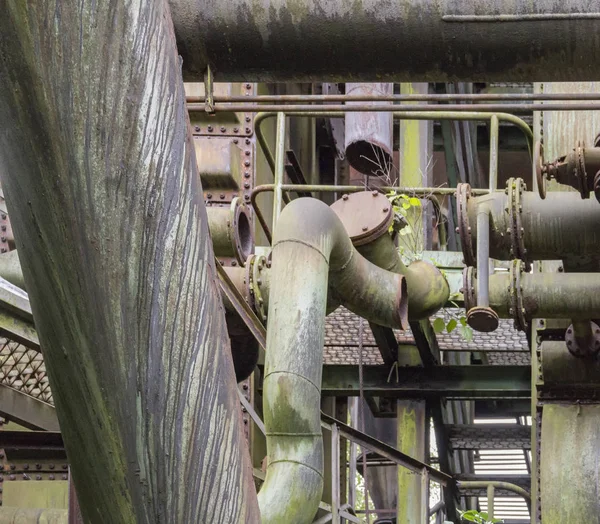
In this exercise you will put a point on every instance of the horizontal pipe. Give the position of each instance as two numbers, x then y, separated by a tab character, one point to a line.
507	486
561	226
311	250
523	108
231	231
10	268
548	295
334	40
444	97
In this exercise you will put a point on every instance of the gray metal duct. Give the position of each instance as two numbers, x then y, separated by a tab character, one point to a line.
379	40
310	249
369	136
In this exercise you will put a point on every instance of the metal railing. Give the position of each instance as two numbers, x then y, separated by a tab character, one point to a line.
277	163
491	487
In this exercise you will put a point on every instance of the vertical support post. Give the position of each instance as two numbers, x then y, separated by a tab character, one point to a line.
494	132
482	317
335	471
411	432
424	496
353	455
490	501
279	167
483	256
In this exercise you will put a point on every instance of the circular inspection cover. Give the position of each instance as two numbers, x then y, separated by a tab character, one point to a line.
365	215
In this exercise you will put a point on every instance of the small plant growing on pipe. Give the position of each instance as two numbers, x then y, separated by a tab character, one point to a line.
479	517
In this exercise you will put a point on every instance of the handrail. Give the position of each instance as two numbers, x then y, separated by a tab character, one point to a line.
398	115
491	486
422	192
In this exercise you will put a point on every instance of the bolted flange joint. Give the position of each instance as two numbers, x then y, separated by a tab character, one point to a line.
583	339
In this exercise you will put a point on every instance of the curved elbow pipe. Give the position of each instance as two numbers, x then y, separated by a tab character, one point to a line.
361	214
311	250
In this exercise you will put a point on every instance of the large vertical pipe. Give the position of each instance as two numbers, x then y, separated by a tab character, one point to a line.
104	196
311	251
369	136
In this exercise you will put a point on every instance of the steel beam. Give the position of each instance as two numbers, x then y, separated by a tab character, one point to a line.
27	411
489	436
456	382
335	40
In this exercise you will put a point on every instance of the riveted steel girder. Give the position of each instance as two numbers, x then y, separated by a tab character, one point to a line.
377	40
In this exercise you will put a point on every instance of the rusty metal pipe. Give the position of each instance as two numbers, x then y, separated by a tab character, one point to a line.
311	251
367	216
369	134
547	295
522	108
231	231
522	225
417	97
333	40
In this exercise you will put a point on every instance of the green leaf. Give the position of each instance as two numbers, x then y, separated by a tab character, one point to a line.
463	321
451	325
415	202
466	333
406	231
439	325
470	515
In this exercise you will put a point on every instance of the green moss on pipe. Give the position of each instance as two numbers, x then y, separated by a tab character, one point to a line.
311	251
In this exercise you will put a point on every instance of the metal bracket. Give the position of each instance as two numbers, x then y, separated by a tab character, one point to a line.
517	309
209	100
514	190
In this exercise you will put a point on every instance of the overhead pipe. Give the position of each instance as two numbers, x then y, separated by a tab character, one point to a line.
522	225
333	40
369	135
311	251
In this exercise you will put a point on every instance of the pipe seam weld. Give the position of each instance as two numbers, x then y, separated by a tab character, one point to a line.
296	241
293	373
296	462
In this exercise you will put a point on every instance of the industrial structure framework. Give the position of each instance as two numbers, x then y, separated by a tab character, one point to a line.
299	261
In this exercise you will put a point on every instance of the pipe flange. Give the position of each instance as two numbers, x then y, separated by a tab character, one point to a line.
597	186
517	308
463	193
515	188
366	215
256	266
580	171
483	319
589	347
539	169
242	237
468	287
